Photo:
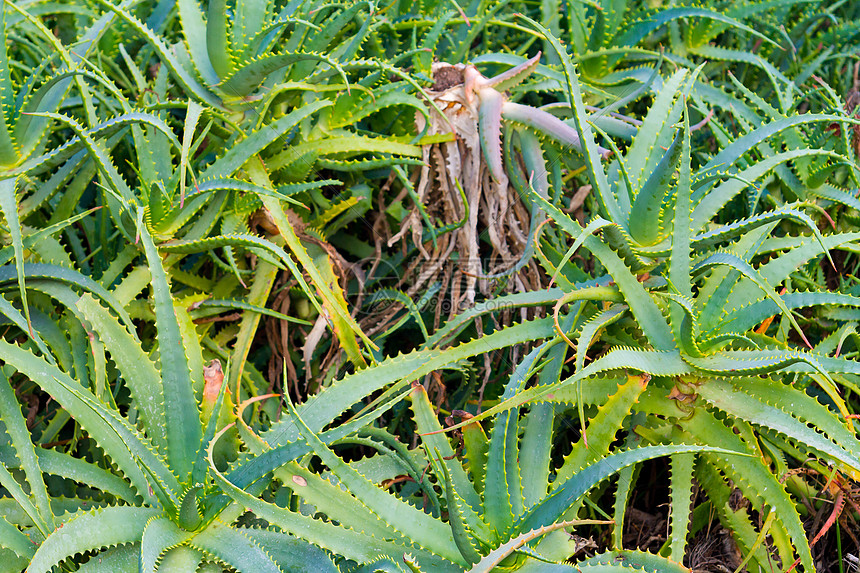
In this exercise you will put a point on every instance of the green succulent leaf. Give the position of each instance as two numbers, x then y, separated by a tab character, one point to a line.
114	526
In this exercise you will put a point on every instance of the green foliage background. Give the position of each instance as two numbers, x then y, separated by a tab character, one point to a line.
424	286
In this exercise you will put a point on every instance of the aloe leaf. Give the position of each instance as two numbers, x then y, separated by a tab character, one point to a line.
71	169
182	559
588	334
8	151
797	251
242	305
733	261
737	520
120	441
426	422
240	153
476	446
463	537
344	326
340	142
269	33
29	131
353	44
333	299
344	114
835	194
122	558
200	467
12	538
23	502
196	31
98	154
192	115
247	78
641	29
655	363
755	479
732	230
234	548
139	373
69	150
158	536
59	464
351	544
350	166
653	132
679	260
536	172
681	488
503	487
60	276
647	205
502	496
553	506
490	106
290	553
188	82
648	315
745	143
513	76
251	469
746	317
592	153
217	38
184	432
321	408
18	319
262	247
544	123
602	429
112	526
686	326
538	427
837	442
595	225
717	287
335	503
16	428
542	297
629	561
333	23
625	485
776	77
283	192
497	555
412	522
744	362
413	309
9	207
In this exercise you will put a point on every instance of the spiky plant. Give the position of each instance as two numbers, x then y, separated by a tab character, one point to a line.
492	507
152	500
691	325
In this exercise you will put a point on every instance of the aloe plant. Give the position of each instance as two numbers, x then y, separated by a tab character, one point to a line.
287	109
154	503
175	175
497	512
691	324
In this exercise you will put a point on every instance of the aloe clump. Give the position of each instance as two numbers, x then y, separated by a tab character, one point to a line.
690	323
156	503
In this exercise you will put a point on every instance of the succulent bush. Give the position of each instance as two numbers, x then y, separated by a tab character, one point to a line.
495	510
153	503
691	324
206	204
